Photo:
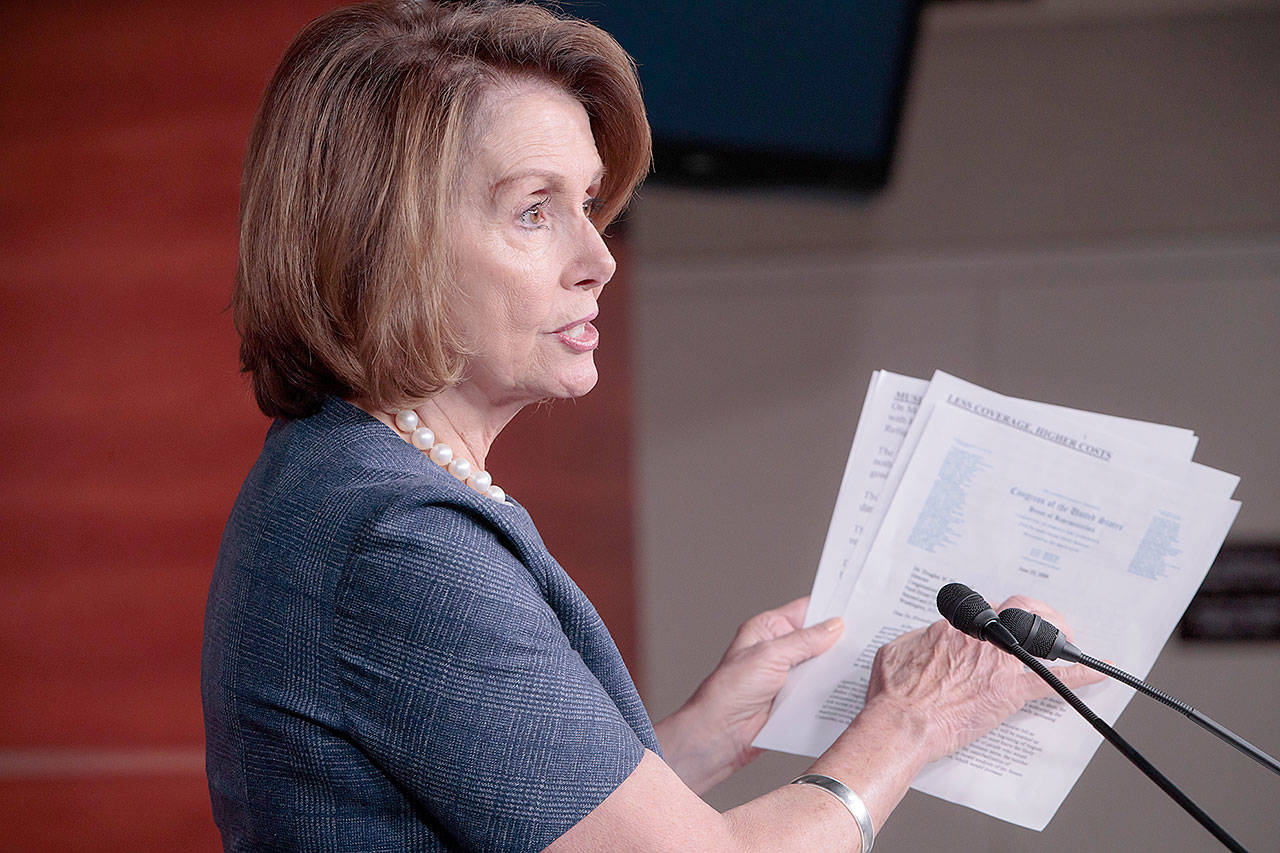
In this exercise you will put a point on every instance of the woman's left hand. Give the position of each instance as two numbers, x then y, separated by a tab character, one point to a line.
710	736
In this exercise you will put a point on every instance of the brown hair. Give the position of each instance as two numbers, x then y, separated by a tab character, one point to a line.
355	150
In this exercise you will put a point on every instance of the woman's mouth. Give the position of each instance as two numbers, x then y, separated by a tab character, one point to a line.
580	338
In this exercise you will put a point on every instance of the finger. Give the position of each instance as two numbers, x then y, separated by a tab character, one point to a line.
1077	675
794	611
804	643
1074	676
1031	605
770	624
1044	611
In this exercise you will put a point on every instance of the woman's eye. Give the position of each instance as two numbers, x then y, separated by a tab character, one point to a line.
592	206
535	215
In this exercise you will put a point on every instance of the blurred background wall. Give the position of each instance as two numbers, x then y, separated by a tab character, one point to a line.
1083	211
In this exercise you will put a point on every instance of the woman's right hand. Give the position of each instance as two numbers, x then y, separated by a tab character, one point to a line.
959	688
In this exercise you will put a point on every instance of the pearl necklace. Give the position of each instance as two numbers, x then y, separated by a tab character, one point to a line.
442	454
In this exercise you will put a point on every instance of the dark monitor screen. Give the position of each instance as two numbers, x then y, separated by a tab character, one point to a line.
767	93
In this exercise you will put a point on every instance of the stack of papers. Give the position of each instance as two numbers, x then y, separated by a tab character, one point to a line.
1106	519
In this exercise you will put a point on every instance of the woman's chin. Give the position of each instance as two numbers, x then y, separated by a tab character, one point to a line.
565	387
579	384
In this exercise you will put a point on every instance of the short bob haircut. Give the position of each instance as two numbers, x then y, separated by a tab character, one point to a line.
343	270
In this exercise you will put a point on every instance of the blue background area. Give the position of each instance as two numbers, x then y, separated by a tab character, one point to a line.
811	78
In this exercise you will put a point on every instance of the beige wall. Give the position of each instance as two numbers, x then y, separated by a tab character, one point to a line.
1084	211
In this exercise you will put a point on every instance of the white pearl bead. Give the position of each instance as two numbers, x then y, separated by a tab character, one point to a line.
441	454
480	481
423	438
407	420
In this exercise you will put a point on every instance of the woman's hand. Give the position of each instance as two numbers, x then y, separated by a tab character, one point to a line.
957	687
710	736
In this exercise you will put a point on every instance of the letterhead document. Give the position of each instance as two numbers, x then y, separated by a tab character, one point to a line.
1010	498
893	415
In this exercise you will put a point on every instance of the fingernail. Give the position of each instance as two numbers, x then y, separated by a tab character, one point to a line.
835	623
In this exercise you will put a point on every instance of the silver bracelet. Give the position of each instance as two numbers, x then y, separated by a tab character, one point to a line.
851	801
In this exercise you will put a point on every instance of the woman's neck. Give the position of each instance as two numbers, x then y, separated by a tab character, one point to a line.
459	418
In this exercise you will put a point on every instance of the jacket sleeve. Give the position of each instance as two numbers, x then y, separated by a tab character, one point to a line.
459	683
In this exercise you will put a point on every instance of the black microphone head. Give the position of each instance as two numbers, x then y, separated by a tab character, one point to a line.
1032	633
960	606
949	597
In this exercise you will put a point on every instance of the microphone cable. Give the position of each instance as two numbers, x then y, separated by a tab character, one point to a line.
968	612
1043	639
1126	750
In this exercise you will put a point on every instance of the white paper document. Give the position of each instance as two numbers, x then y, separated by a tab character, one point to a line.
889	422
1106	519
887	415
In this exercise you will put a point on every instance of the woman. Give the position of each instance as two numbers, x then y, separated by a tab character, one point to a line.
392	659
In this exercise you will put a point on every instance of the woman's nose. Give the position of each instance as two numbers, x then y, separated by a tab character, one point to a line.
594	264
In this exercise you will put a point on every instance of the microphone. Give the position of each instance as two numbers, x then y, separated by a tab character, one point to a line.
1043	639
1038	636
969	612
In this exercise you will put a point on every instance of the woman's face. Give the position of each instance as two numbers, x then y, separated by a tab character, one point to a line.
529	262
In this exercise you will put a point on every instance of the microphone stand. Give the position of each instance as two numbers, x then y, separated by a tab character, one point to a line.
1186	710
1125	749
